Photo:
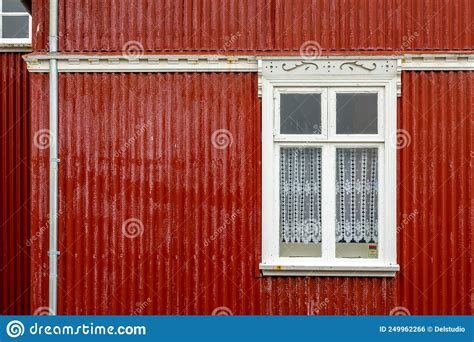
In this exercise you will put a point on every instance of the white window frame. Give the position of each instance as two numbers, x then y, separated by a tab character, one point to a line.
385	264
14	41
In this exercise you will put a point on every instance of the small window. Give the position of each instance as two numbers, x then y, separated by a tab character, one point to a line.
15	23
300	114
330	147
355	190
356	113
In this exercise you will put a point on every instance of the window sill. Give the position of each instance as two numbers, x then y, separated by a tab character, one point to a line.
330	271
13	46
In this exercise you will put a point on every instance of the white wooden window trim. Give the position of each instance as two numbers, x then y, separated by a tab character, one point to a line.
13	41
385	141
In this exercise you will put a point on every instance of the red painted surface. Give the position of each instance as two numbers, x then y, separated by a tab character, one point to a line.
261	25
140	146
14	185
435	178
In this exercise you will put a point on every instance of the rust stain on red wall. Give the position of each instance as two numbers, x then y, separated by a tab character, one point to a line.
14	185
261	25
155	219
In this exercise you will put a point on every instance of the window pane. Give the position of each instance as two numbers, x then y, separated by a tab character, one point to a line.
356	114
300	202
15	27
12	6
300	114
356	203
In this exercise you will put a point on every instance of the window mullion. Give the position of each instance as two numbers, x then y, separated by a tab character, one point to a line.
328	186
328	195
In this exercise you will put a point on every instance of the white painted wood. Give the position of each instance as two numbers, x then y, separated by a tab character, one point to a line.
424	62
328	265
349	270
329	210
145	63
390	156
194	63
269	240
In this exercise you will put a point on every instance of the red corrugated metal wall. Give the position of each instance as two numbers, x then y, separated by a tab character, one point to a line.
435	193
14	185
261	25
139	146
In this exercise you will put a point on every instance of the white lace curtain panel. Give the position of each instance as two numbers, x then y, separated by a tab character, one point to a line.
300	195
356	195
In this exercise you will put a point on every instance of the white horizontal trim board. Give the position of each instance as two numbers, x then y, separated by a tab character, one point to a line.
11	47
439	62
146	63
227	63
355	270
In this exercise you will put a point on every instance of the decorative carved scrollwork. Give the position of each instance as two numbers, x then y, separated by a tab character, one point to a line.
299	65
351	66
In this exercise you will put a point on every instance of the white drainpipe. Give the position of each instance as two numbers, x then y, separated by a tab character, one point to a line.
53	157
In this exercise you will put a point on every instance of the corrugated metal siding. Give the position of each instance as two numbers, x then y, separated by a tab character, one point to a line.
39	202
435	179
260	25
14	185
140	146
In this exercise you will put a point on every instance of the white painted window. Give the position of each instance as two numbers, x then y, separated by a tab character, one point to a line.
15	23
329	164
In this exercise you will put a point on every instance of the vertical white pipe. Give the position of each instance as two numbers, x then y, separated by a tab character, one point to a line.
53	157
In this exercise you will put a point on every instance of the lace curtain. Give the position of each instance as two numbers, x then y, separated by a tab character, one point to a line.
356	195
300	195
